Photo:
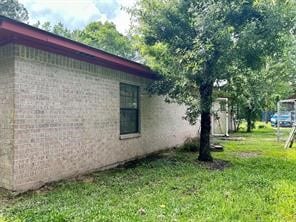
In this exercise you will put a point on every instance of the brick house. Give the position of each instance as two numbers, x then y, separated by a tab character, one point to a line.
68	109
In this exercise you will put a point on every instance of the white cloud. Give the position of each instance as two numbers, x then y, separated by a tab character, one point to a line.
77	13
122	19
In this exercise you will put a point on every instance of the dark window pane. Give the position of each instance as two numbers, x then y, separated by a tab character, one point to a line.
129	120
128	96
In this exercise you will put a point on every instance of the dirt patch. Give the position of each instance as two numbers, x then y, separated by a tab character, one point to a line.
83	178
88	179
51	186
247	154
166	156
216	165
45	189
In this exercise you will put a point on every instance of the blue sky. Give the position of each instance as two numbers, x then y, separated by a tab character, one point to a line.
78	13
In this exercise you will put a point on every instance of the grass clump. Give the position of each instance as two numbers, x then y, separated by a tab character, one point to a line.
191	145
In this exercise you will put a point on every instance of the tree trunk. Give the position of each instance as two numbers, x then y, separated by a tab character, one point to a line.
205	91
232	118
238	119
266	116
249	120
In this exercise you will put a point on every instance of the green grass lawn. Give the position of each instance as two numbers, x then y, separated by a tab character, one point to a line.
258	184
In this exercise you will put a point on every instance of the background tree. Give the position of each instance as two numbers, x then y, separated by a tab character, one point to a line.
252	92
103	36
59	29
194	44
100	35
13	9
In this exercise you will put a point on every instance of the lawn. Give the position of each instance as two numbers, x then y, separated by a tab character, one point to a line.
257	184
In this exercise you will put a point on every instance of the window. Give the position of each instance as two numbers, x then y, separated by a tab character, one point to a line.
129	109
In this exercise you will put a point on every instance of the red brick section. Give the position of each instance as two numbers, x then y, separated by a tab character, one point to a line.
17	32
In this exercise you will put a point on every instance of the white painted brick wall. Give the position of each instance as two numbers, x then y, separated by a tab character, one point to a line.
6	115
67	119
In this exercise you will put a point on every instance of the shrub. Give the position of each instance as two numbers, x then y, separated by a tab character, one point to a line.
261	126
191	145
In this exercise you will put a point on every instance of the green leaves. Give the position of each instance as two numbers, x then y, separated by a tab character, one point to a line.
13	9
206	41
105	36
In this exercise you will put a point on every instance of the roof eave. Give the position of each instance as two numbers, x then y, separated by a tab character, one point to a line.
27	35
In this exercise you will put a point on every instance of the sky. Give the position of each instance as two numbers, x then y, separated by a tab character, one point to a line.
78	13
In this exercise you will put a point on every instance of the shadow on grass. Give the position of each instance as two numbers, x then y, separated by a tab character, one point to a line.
147	161
173	159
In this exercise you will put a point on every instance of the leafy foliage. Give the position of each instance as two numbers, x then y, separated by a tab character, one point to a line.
13	9
252	92
103	36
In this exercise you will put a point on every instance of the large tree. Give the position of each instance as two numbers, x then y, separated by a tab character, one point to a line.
13	9
194	44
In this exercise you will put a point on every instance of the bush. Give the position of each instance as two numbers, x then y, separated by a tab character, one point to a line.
261	125
191	145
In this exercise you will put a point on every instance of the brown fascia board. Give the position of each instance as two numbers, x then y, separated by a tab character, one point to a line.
12	31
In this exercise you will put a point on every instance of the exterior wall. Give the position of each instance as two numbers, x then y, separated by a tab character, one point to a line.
6	115
67	119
